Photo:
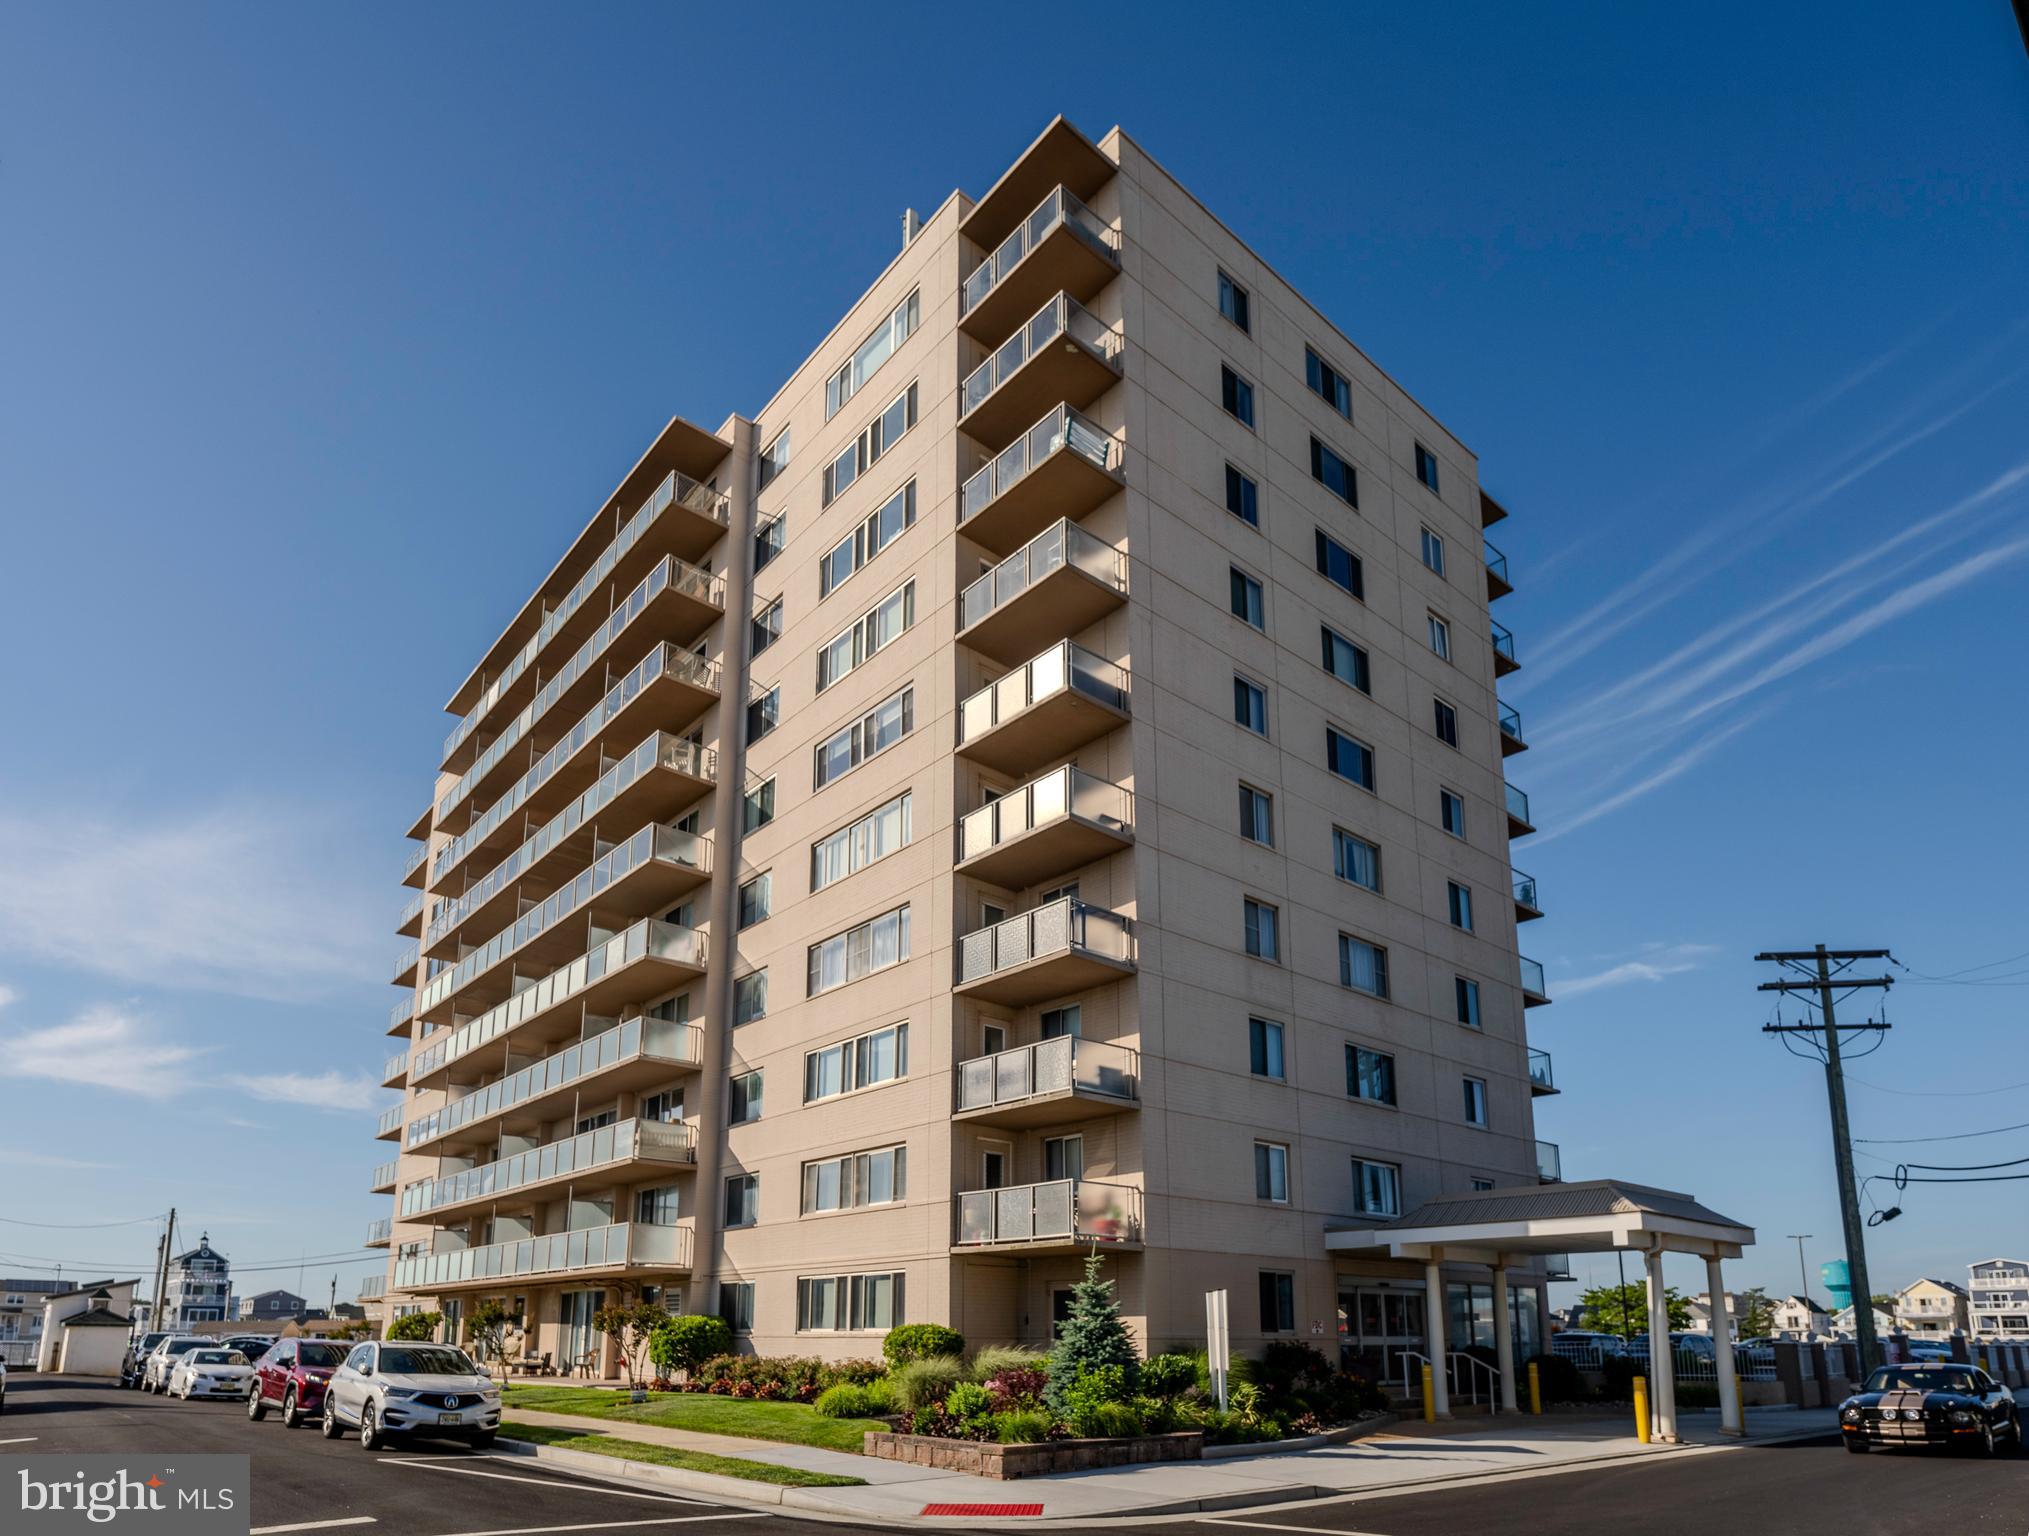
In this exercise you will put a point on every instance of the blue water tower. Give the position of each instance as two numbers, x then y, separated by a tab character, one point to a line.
1838	1281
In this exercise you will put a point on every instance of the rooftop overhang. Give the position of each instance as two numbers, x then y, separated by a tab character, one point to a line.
1060	156
1503	1230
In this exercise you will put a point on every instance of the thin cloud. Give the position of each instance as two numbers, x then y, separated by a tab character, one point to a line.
7	995
21	1157
1657	964
103	1047
1674	769
319	1090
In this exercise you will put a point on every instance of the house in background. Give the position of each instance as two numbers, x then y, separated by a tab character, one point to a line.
1701	1312
84	1332
1998	1299
1931	1307
200	1288
1799	1317
271	1304
21	1319
1842	1323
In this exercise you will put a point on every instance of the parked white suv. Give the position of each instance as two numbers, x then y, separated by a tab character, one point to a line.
403	1389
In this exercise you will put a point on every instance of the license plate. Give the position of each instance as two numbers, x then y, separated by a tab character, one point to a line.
451	1418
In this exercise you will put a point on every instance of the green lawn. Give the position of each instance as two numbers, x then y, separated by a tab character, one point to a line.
790	1423
670	1456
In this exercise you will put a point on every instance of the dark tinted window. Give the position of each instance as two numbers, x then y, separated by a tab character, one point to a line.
331	1355
426	1360
1905	1378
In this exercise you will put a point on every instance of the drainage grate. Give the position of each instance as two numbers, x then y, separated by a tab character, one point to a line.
978	1511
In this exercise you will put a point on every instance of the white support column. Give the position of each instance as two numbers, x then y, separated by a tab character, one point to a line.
1504	1339
1433	1327
1662	1368
1722	1344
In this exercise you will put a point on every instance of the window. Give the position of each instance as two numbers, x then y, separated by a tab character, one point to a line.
1328	384
872	352
870	633
1355	860
1349	758
1363	966
852	848
595	1122
883	526
1278	1302
1260	918
767	627
1426	466
1264	1048
775	458
1481	1186
1459	900
877	438
770	534
1236	395
1063	1158
869	736
1340	566
1334	474
1233	301
743	1199
1433	551
1344	660
1246	598
763	715
1257	816
1058	1022
663	1108
1444	721
656	1207
1370	1075
736	1304
1271	1171
760	806
1451	811
862	1062
1440	637
857	1179
859	951
1476	1101
1467	997
848	1303
1377	1188
757	899
1250	705
750	997
1243	497
744	1099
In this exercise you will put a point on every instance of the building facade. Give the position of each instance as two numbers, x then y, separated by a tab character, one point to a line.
1997	1298
199	1289
1931	1306
1034	789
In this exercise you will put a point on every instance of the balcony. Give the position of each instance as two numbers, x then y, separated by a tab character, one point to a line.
649	957
1063	466
1527	907
1056	1080
410	924
405	966
630	1056
654	782
1541	1080
395	1071
1510	721
1557	1266
1059	155
1505	660
1061	821
1533	993
646	873
613	1154
1058	584
414	862
1497	573
1549	1163
672	602
1049	951
680	522
1061	244
380	1232
371	1288
1062	1216
1043	710
382	1180
1490	511
402	1015
621	1248
389	1127
1519	824
1061	353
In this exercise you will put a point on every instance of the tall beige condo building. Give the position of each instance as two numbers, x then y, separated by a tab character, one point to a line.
1035	788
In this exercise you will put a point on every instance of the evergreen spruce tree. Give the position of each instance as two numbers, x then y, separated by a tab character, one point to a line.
1092	1336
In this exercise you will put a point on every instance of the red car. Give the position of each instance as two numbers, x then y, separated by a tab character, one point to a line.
291	1376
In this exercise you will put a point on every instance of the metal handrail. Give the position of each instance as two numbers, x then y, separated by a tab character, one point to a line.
1525	890
626	1243
1081	1209
1064	924
1496	561
1532	977
1063	429
1060	1064
1064	665
1060	206
1060	316
1539	1068
1511	721
1062	792
1518	804
1504	641
623	1142
1063	543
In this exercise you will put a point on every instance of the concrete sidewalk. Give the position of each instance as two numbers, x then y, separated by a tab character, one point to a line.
1401	1458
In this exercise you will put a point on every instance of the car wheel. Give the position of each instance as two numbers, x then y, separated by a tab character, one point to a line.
483	1440
292	1414
369	1429
1987	1438
257	1410
331	1428
1856	1445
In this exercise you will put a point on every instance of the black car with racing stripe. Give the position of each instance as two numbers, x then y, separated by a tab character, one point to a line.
1933	1404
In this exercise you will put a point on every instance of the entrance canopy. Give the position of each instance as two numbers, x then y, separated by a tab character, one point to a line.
1507	1227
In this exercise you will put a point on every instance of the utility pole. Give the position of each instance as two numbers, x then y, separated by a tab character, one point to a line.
162	1271
1803	1270
1816	972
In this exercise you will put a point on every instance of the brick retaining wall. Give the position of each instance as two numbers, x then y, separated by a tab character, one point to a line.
987	1459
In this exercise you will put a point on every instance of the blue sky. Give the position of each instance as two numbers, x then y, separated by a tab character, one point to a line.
324	331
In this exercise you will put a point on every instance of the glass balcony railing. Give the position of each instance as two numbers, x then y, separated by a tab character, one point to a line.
665	660
403	1011
1063	1210
649	938
659	751
1497	565
650	845
671	574
1063	1064
1053	928
405	962
371	1288
1062	430
675	491
1504	642
1532	977
1062	666
397	1066
1549	1163
1062	316
1539	1071
1518	805
609	1146
383	1176
411	858
1062	792
1525	892
390	1120
1557	1266
411	910
379	1231
1059	208
1511	722
1063	543
631	1245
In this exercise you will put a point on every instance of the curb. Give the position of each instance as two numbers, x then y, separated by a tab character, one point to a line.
1303	1442
614	1469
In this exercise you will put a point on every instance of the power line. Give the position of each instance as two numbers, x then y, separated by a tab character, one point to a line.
1940	1093
1903	1141
82	1226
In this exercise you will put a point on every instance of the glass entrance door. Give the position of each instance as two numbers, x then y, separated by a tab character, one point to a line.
1377	1326
579	1307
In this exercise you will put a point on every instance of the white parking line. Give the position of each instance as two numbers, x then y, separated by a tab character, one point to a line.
1263	1525
545	1482
614	1525
311	1525
20	1440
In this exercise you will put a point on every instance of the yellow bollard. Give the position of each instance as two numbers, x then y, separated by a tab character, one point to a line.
1641	1408
1429	1398
1535	1389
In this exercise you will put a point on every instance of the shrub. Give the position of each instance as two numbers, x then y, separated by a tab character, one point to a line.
1158	1415
921	1341
1167	1375
925	1383
929	1421
860	1372
415	1327
1557	1378
1018	1386
1110	1419
685	1343
771	1378
1080	1400
844	1401
1617	1378
1697	1394
1288	1365
970	1408
1021	1427
880	1395
996	1358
